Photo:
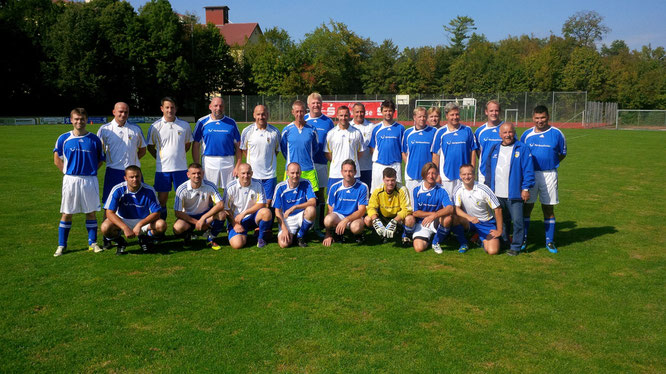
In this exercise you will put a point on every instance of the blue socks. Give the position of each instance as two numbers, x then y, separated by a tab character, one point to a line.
216	227
526	227
408	231
63	232
459	232
264	226
549	228
163	213
91	226
441	234
305	226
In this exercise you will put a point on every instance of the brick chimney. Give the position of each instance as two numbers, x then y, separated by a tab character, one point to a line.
217	15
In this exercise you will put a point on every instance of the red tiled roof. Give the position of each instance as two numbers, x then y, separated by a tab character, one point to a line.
237	33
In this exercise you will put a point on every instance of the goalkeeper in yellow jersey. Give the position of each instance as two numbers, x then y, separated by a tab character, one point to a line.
389	207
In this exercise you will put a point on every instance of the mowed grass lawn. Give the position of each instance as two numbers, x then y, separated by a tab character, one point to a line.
597	306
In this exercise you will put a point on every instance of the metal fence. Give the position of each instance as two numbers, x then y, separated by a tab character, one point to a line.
640	119
600	114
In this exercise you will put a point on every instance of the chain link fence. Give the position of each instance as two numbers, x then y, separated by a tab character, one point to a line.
640	119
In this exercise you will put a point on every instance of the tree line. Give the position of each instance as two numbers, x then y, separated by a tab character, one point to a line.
93	54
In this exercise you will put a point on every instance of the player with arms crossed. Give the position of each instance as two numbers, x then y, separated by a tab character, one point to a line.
347	202
432	208
343	142
294	204
198	206
78	154
390	206
385	145
416	146
365	127
548	147
487	135
475	204
169	139
245	205
132	209
219	136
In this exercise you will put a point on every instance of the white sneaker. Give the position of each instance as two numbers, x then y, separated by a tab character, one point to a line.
59	251
95	248
437	248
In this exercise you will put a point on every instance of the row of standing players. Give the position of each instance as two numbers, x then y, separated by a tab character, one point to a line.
306	142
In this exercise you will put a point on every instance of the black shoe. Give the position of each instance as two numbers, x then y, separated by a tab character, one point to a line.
360	239
302	243
108	244
122	245
145	243
187	240
121	250
512	252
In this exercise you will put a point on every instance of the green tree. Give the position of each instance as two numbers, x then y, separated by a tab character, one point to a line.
379	76
586	27
459	29
585	72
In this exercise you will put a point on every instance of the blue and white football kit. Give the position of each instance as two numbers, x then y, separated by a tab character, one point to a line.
430	200
486	136
286	197
130	206
365	161
416	144
454	148
170	140
323	124
479	202
261	147
346	200
239	198
386	142
218	142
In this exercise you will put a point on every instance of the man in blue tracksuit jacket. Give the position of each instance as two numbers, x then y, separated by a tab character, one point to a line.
509	172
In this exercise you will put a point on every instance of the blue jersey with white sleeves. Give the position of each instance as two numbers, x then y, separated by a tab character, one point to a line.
430	199
323	125
299	145
217	137
546	147
417	144
346	200
80	154
285	197
387	143
486	136
454	149
132	205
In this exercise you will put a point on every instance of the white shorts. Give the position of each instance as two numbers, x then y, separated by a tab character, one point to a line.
378	174
218	169
131	222
449	186
80	194
427	231
545	187
322	175
293	223
341	218
411	184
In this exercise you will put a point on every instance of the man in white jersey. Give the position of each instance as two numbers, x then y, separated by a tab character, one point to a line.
169	139
78	154
478	210
245	206
487	135
219	136
548	147
198	206
124	145
343	142
365	127
260	144
347	202
294	204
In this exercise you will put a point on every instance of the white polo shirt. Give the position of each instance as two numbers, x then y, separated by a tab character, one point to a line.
169	139
121	144
343	144
196	200
262	147
502	170
237	198
365	162
478	202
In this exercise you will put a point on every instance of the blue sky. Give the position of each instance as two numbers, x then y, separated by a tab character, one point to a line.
418	23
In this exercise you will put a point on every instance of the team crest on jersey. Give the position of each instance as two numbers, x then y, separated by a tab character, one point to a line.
180	133
517	155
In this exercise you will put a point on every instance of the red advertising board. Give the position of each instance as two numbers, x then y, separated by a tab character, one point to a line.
372	108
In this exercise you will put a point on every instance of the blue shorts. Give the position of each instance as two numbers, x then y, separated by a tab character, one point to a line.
269	186
366	177
111	178
483	228
164	180
249	223
332	181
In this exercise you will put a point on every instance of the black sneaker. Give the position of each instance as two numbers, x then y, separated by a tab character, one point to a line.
108	244
122	245
187	240
512	252
360	239
302	243
145	243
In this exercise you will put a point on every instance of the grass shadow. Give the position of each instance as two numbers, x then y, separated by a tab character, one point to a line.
567	233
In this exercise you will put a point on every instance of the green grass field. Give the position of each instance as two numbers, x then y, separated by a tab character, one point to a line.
597	306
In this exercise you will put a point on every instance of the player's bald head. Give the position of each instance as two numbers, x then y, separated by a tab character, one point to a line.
121	105
294	166
244	167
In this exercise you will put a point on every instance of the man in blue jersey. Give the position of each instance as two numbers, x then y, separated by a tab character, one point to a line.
294	204
416	144
298	143
78	154
548	147
198	206
487	135
220	138
478	210
386	145
510	174
132	210
432	211
365	127
452	147
169	139
347	202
